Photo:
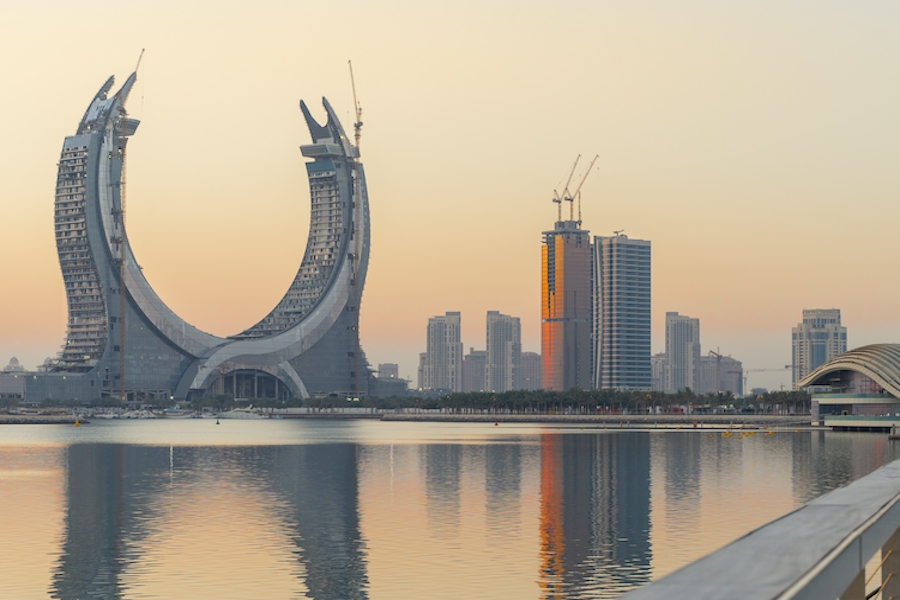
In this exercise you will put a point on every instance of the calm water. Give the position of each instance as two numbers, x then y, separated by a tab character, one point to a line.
361	509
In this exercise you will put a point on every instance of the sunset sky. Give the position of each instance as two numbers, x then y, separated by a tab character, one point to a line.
755	144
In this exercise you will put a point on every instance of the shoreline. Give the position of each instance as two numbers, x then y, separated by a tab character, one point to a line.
648	421
645	420
40	420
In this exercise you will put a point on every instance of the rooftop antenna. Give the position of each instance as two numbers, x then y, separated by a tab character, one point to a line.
618	232
138	65
565	195
357	126
577	193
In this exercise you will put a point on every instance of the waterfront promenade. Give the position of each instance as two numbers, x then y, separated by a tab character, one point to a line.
604	420
649	421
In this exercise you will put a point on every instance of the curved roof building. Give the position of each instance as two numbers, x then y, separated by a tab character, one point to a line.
122	340
859	389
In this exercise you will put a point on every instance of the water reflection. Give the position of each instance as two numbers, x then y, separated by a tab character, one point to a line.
443	464
595	514
119	497
109	488
682	479
320	484
549	514
502	490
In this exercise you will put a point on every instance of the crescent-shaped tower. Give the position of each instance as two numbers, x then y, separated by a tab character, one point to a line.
122	341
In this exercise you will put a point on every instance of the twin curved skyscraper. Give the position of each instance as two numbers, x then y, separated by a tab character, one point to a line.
123	341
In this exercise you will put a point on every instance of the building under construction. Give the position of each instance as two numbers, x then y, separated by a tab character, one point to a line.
595	305
123	341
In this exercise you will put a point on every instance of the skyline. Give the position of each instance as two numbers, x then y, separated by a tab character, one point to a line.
734	138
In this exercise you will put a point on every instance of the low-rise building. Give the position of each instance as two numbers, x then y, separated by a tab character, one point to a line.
858	390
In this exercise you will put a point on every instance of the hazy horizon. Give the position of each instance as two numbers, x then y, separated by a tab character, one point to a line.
754	145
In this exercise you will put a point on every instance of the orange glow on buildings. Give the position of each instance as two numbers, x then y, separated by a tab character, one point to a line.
552	534
566	307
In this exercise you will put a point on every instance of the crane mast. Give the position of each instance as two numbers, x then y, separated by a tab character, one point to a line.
565	194
357	125
577	193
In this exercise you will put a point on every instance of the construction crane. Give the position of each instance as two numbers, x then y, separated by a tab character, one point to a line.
774	369
357	126
718	367
559	199
577	193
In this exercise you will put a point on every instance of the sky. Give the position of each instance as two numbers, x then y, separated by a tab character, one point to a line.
755	144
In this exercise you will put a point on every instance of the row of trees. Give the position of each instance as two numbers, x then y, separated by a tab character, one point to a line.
528	402
541	401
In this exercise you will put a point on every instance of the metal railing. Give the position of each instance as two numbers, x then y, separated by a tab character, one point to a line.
817	552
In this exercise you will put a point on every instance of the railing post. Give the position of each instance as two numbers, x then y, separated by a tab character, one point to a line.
857	589
890	568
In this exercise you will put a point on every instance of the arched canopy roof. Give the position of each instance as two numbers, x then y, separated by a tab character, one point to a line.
879	362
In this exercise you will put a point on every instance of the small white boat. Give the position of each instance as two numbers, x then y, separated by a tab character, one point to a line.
177	413
240	413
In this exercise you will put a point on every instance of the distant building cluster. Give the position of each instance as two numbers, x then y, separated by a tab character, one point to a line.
682	365
595	305
500	367
595	310
595	321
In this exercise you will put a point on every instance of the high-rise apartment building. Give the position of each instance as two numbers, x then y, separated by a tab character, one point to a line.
473	370
682	352
504	352
566	307
444	354
621	313
531	371
818	338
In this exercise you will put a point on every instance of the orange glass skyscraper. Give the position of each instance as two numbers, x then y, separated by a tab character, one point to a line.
566	307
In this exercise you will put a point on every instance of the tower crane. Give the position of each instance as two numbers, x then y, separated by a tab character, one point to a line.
565	195
784	368
718	367
577	193
357	126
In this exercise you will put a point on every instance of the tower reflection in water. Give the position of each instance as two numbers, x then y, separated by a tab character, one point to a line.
287	518
116	495
594	518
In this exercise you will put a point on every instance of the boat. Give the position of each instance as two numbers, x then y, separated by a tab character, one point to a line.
240	413
177	413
